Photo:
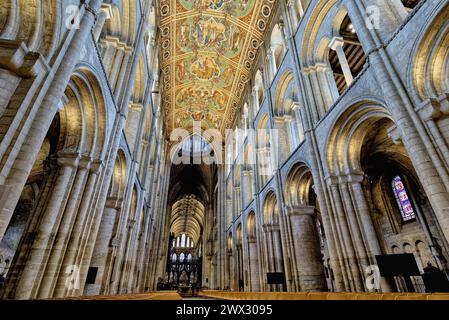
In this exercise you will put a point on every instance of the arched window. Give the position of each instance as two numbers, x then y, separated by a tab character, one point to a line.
174	258
403	199
182	257
183	241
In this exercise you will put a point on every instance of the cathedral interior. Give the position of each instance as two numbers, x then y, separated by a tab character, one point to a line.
232	146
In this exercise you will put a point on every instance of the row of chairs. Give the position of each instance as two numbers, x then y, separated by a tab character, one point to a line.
228	295
160	295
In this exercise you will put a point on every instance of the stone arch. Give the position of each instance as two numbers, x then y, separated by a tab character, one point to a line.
298	186
316	21
239	235
251	226
37	23
345	139
287	116
371	169
230	243
430	65
84	116
119	177
270	209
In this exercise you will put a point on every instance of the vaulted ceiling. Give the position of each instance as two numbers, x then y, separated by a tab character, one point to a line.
208	51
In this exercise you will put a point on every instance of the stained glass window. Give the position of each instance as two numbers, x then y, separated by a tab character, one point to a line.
403	199
183	241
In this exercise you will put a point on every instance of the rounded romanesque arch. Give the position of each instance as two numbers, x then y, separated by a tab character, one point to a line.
287	116
38	24
345	140
430	65
270	209
369	166
298	186
84	116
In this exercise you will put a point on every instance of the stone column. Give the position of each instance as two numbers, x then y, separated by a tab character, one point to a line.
300	7
104	14
103	245
337	45
254	264
277	246
132	123
371	239
266	165
230	270
110	44
238	199
420	147
44	116
347	245
292	137
271	57
128	51
327	84
307	250
117	64
354	226
270	256
255	95
298	120
30	277
247	186
293	15
313	109
69	262
278	254
62	239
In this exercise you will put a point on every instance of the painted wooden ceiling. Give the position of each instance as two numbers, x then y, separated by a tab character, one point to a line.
208	50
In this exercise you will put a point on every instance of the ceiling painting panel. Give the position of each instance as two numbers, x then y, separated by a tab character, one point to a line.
208	50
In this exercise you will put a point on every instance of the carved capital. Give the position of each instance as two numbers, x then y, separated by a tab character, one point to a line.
336	42
16	57
69	159
96	166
